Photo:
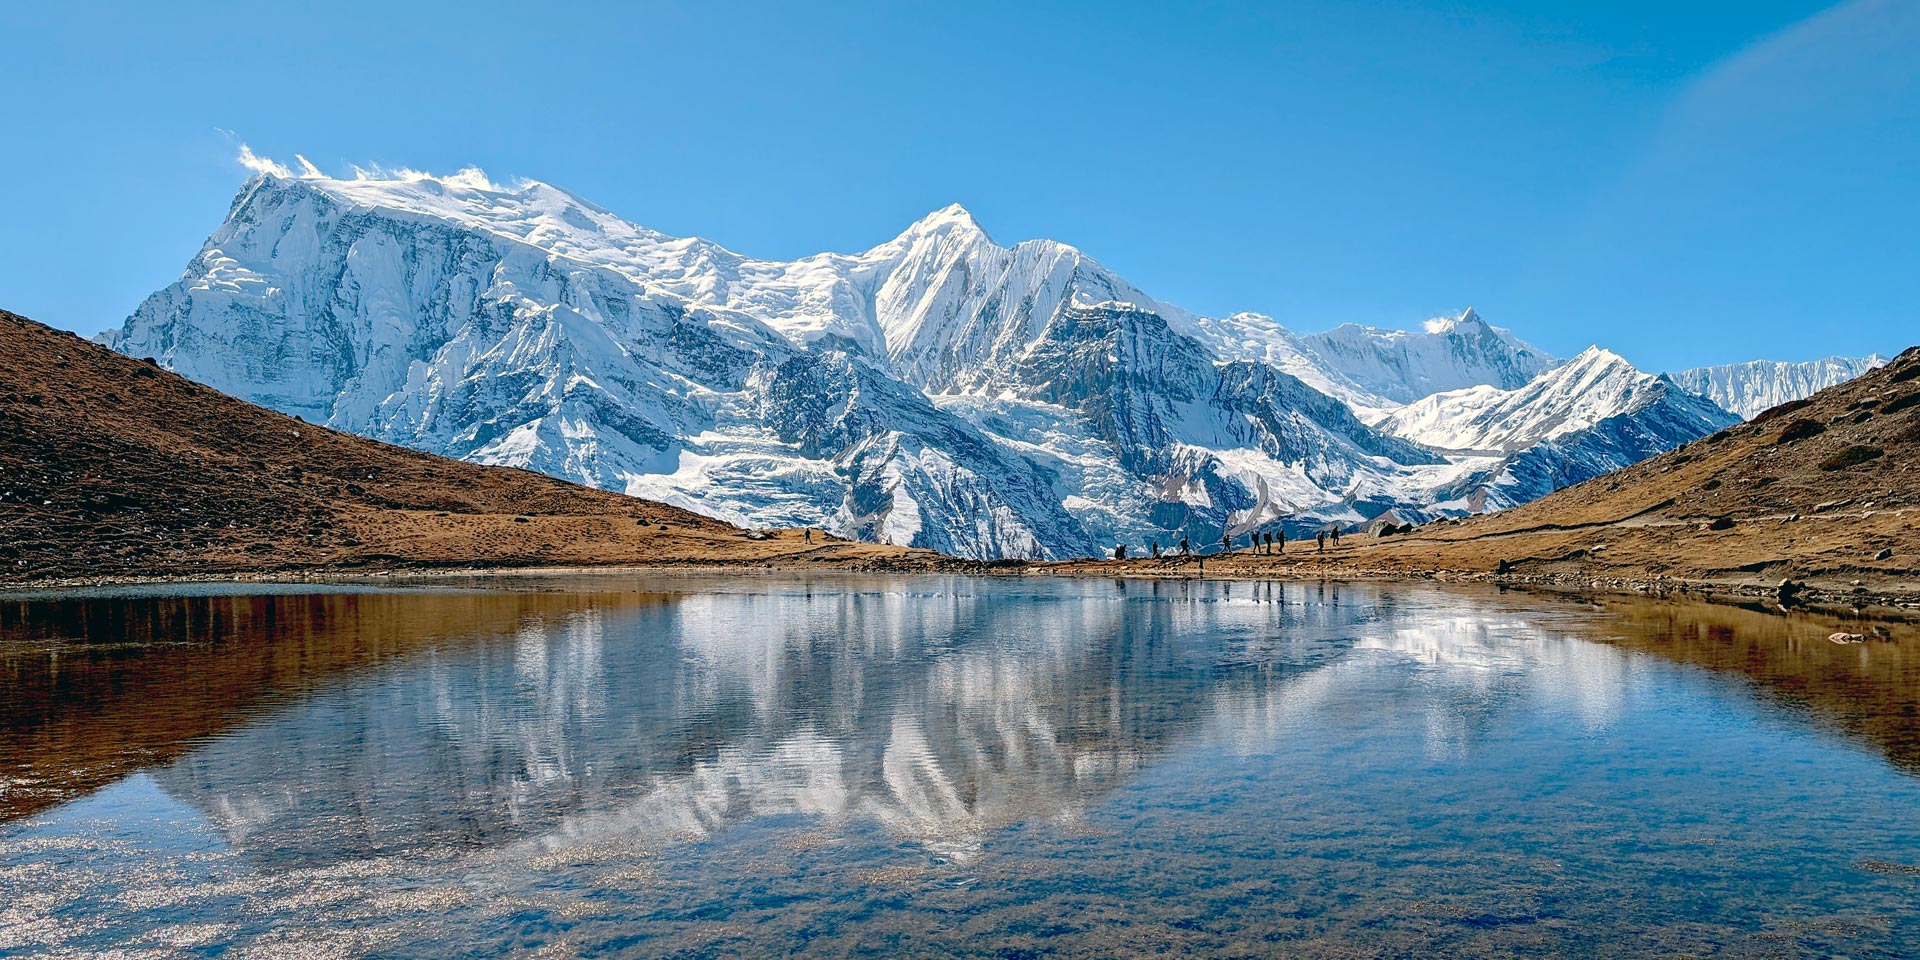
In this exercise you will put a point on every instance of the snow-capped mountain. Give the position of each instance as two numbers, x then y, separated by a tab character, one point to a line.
1449	353
938	390
1571	397
1749	388
1588	416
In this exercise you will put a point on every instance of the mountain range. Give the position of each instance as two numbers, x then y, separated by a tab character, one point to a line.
1811	504
939	390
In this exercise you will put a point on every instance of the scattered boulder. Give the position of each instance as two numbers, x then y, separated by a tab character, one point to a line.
1901	402
1852	456
1503	568
1788	592
1718	523
1800	430
1826	505
1782	410
1884	554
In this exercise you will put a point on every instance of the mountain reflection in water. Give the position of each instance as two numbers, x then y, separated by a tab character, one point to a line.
479	743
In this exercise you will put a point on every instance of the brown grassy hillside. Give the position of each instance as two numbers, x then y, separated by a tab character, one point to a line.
110	466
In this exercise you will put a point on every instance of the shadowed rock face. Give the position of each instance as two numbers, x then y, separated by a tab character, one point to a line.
913	472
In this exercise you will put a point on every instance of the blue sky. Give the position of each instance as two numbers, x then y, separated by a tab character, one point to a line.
1684	183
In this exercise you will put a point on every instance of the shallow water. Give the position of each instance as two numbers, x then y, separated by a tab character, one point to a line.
616	766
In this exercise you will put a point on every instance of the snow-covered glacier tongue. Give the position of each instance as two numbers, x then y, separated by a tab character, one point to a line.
938	390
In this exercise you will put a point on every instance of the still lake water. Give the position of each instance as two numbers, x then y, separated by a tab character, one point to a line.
702	767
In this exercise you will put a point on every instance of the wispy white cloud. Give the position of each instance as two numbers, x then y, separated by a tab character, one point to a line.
1848	64
466	178
259	164
303	168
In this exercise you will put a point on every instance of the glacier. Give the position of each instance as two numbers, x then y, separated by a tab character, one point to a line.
938	390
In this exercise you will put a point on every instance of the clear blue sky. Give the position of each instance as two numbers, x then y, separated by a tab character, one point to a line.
1685	183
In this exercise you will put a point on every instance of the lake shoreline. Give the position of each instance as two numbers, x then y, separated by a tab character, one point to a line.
1850	603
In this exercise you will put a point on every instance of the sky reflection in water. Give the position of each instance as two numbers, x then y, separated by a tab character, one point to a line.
853	766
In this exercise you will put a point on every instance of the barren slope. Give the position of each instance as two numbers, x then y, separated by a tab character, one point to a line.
110	466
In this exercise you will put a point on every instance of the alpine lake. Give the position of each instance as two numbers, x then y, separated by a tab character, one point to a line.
654	765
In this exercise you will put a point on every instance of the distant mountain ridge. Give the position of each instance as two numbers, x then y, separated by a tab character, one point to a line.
938	390
1449	353
1749	388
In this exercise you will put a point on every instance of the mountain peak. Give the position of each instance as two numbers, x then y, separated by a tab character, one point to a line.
1444	325
950	220
1596	355
1596	363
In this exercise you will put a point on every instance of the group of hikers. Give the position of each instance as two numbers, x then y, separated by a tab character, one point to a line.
1262	542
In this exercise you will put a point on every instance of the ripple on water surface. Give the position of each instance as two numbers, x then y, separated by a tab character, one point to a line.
616	766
